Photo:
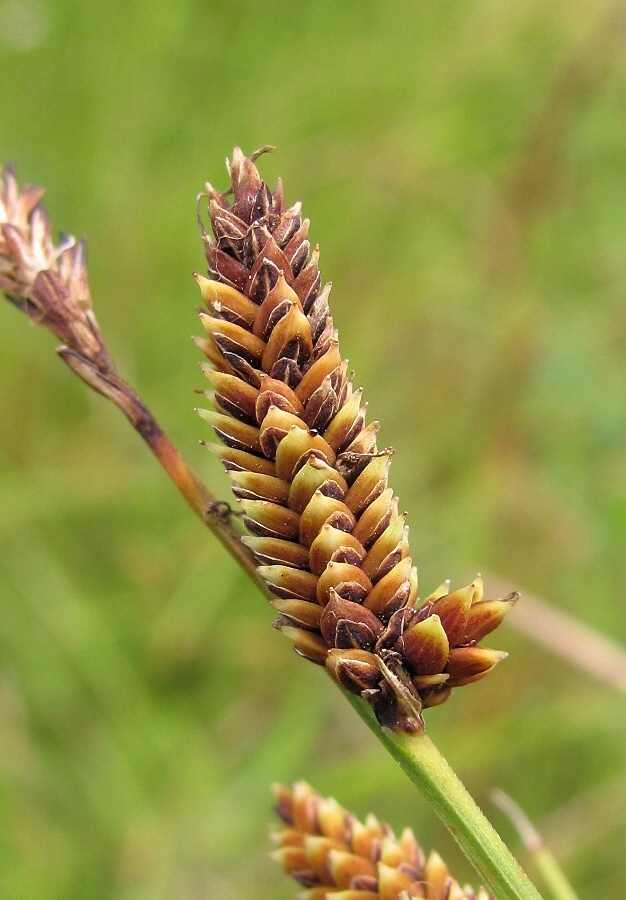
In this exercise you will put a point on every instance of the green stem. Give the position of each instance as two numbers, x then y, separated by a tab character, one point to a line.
552	874
432	775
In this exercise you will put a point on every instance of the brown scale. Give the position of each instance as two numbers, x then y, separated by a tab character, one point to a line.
324	526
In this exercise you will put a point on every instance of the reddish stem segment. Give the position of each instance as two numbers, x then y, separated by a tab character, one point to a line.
214	513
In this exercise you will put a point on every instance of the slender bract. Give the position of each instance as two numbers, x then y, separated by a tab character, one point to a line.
324	526
334	856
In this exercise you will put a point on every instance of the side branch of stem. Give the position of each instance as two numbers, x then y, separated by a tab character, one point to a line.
204	504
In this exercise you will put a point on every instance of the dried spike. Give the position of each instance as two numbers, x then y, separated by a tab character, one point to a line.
263	203
274	314
265	271
232	229
236	364
244	175
358	453
397	624
286	368
308	282
217	200
318	312
364	444
400	599
269	399
290	220
299	256
225	268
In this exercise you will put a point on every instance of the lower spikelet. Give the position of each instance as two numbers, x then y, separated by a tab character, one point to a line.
324	526
333	855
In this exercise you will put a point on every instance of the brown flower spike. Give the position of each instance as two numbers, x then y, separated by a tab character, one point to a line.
336	857
324	526
46	281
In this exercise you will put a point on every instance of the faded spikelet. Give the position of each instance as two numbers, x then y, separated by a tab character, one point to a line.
45	280
325	527
336	857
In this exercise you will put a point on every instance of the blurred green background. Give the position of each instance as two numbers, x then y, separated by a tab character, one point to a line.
464	168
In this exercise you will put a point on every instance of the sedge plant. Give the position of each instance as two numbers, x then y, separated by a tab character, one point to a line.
319	530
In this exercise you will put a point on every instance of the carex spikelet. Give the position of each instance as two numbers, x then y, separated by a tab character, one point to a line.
324	526
334	855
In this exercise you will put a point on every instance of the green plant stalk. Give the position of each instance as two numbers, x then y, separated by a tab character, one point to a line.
431	774
553	875
545	863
